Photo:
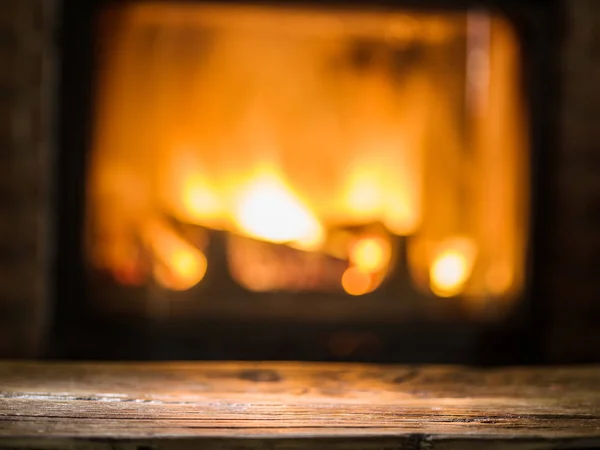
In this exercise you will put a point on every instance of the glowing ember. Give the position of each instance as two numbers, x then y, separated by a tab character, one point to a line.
357	282
452	267
265	267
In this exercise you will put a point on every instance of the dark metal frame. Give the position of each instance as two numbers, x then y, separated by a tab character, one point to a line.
81	332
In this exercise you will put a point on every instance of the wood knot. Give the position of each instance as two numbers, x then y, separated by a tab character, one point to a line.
260	376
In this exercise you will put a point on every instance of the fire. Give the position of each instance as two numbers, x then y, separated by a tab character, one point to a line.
452	267
356	282
382	192
179	265
268	210
371	254
199	199
188	191
365	193
307	153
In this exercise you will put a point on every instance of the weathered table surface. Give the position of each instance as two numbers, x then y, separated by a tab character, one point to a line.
147	406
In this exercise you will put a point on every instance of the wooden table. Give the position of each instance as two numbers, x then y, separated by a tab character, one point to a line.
292	406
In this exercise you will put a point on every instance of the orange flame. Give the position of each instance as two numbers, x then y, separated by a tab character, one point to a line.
180	266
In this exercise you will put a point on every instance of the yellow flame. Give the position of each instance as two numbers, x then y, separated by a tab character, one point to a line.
452	267
356	282
401	216
188	191
365	198
199	199
180	266
268	210
371	254
374	193
364	193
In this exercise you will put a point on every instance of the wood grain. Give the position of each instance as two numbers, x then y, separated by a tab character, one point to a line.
290	405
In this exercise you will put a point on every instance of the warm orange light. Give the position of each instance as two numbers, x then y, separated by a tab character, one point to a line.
448	274
288	131
371	254
125	263
451	268
268	210
180	266
499	278
401	216
187	190
365	194
356	282
199	199
381	192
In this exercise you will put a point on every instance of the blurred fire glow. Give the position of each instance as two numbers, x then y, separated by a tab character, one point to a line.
387	192
308	146
452	267
179	266
357	282
371	254
268	210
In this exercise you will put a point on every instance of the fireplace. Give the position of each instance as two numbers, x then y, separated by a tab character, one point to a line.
310	152
299	180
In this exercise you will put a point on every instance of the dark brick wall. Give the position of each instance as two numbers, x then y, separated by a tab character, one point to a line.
26	86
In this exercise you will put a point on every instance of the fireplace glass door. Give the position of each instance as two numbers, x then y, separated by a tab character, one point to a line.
318	164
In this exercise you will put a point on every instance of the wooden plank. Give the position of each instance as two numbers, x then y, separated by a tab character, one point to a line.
145	406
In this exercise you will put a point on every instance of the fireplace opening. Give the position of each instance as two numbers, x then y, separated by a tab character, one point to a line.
336	175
